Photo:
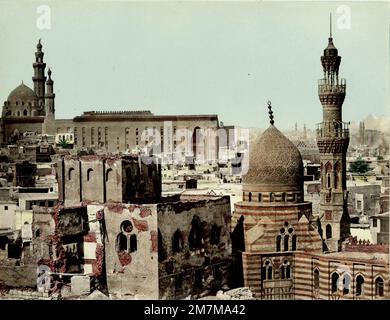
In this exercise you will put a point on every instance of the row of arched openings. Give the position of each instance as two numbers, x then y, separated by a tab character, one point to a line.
90	171
343	284
267	270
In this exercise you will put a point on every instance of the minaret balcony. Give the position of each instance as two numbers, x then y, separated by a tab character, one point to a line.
326	86
334	129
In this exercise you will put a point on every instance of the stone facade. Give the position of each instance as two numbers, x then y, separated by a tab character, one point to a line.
109	179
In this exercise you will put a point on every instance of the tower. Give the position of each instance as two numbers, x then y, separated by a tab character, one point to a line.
49	96
49	105
332	141
39	74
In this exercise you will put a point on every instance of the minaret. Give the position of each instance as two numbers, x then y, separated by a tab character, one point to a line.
49	96
48	123
39	74
332	141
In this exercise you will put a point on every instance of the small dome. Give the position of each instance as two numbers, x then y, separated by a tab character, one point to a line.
275	164
22	93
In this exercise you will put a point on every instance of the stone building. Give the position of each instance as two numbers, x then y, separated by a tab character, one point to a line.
332	141
32	112
113	226
282	249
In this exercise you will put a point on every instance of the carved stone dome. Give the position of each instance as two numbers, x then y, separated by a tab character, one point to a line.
275	164
22	93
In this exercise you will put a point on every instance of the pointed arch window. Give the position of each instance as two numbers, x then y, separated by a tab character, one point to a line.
316	279
346	283
267	270
359	285
285	270
286	240
335	282
379	286
294	242
278	243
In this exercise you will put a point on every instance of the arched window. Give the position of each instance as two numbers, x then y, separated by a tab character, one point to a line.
379	287
108	174
359	285
285	270
259	197
336	175
250	196
346	283
25	112
271	197
18	113
328	180
328	231
196	235
316	279
70	173
294	242
177	242
267	271
283	196
335	281
286	239
89	174
278	243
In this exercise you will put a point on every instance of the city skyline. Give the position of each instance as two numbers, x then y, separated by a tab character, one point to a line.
210	57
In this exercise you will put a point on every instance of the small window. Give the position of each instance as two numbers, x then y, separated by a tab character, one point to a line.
328	231
278	243
286	240
359	285
379	287
89	174
335	282
70	173
5	207
374	222
177	241
316	279
294	242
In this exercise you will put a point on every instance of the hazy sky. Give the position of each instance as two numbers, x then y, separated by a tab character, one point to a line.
225	58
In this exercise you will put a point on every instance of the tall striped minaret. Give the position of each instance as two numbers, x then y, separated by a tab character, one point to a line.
332	141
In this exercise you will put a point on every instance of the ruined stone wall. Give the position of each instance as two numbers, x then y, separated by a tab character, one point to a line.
131	250
194	247
92	179
127	179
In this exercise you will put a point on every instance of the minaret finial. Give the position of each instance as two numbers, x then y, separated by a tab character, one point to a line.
330	24
271	117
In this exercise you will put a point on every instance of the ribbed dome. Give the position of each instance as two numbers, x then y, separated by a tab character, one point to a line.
22	93
275	164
